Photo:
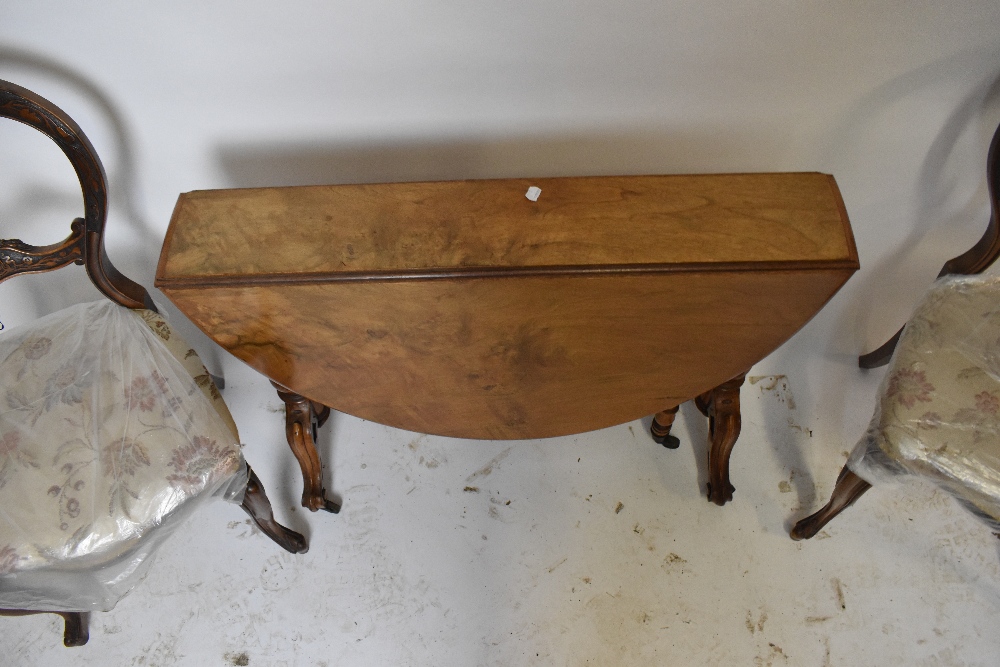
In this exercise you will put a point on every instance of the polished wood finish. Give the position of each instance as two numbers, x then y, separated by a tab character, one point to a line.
975	260
881	355
256	504
530	357
849	487
468	228
722	407
660	428
19	257
303	418
85	245
464	309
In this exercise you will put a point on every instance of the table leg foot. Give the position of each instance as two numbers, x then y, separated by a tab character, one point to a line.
302	420
722	407
660	428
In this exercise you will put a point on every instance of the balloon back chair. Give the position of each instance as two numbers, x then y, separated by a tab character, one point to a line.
938	414
111	430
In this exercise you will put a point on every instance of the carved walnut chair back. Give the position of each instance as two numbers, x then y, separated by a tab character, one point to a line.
85	246
973	261
940	389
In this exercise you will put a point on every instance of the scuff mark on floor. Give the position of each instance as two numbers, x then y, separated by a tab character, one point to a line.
838	589
776	384
280	572
238	659
488	469
674	563
786	487
431	464
553	568
775	652
756	625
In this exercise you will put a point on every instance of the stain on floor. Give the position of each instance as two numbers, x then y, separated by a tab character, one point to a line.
238	659
487	469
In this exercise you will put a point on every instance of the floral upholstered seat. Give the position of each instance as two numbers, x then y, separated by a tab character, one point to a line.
939	411
939	407
111	430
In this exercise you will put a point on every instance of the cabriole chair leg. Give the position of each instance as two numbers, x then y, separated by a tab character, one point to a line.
849	487
75	630
256	504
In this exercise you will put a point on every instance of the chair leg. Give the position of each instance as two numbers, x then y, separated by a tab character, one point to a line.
722	406
882	355
660	428
849	487
218	381
75	632
302	420
256	504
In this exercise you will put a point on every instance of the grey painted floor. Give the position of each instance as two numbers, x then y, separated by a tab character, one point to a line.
598	549
896	99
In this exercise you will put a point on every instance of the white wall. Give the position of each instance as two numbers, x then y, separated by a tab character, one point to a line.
898	99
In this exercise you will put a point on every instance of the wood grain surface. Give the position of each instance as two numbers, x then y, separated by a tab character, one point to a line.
367	230
465	309
525	357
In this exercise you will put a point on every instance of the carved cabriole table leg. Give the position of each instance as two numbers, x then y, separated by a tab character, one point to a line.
849	487
722	407
660	428
302	420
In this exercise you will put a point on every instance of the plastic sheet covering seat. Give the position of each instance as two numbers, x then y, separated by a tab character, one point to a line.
110	432
938	414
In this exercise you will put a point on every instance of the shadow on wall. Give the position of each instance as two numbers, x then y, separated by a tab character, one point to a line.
885	291
938	229
133	244
38	201
599	153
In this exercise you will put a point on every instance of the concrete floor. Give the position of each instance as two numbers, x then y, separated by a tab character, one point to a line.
597	549
539	566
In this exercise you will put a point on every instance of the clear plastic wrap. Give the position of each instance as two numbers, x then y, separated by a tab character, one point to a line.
111	432
938	414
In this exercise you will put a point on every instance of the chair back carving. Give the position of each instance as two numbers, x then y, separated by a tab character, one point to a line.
85	243
980	256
